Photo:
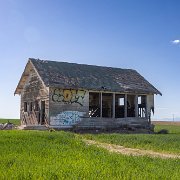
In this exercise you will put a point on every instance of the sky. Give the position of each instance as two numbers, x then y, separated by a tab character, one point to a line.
142	35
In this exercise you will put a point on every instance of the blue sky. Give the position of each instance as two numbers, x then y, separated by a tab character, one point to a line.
128	34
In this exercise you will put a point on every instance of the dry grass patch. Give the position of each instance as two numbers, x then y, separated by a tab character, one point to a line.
130	151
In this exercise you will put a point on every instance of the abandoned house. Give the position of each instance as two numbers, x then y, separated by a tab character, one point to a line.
68	95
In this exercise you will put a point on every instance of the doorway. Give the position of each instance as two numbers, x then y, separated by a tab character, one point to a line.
42	112
130	105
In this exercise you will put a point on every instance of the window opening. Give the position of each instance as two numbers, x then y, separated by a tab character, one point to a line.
119	105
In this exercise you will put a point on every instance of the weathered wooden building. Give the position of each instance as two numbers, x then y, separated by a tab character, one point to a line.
66	95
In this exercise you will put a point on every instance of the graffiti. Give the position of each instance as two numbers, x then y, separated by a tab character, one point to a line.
67	118
69	96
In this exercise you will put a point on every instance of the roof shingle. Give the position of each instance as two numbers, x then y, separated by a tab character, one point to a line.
74	76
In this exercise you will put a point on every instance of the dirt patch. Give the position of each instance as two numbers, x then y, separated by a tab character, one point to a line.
130	151
166	123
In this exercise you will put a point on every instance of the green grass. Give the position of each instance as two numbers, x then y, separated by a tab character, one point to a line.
14	121
173	129
62	155
169	143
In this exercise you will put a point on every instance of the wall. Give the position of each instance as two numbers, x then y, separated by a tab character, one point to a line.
70	107
34	90
113	123
67	107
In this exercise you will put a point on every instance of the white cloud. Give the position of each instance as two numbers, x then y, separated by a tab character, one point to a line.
176	41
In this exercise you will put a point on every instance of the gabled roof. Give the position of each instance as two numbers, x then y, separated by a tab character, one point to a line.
81	76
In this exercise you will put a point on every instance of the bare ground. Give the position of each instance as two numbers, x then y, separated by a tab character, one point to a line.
130	151
177	123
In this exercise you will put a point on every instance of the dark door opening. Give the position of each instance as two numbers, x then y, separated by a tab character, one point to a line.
130	105
42	112
107	105
37	111
119	105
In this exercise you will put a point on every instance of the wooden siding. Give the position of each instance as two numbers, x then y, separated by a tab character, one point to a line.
112	123
33	91
66	107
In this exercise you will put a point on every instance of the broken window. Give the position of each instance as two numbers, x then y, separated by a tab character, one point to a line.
25	106
130	105
142	106
119	105
94	104
107	104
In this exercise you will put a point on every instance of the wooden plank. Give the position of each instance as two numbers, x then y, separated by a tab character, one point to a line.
136	105
114	104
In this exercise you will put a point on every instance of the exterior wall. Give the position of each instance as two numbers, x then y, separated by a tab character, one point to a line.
70	108
67	107
33	90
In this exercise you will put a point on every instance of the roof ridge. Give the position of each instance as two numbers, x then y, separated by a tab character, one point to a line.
56	61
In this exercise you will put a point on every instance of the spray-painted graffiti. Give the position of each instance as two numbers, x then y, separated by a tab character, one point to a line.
69	96
67	118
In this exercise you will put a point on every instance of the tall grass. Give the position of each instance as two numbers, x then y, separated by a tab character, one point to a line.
62	155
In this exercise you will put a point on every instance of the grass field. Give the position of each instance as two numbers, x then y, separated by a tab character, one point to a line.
63	155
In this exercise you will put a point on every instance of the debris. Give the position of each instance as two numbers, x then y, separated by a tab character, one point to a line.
163	131
7	126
